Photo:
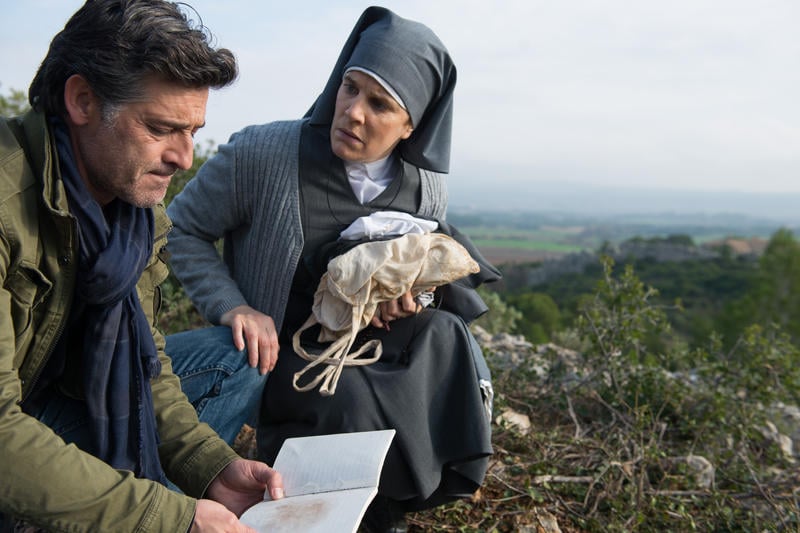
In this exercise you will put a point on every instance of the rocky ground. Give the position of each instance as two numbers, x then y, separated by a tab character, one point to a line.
548	476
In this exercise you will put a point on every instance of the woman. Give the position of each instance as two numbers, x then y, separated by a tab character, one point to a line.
376	140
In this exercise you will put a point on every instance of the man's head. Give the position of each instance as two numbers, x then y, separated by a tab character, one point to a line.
130	78
116	45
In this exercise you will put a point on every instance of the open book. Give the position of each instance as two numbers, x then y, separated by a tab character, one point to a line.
329	480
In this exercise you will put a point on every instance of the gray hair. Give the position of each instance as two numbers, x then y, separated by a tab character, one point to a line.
117	44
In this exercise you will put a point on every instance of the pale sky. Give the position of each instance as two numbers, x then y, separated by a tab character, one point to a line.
685	94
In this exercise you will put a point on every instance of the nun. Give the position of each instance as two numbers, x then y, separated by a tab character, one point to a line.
367	162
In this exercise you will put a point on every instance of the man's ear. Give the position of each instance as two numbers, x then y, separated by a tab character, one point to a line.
79	100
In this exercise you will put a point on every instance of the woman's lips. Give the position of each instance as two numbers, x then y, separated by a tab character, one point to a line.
349	135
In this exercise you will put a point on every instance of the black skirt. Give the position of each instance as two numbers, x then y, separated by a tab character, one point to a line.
425	386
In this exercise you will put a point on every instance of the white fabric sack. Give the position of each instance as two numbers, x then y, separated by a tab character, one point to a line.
356	281
385	224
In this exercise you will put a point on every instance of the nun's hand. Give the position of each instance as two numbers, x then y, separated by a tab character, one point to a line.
255	331
402	307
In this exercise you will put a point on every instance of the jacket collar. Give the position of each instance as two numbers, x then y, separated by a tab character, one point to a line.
40	147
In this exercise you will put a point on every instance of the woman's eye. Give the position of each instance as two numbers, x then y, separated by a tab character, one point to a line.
379	105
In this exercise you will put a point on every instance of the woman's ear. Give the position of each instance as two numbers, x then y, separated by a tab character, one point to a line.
79	100
409	130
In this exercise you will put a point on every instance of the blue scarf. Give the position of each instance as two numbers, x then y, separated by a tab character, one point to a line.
119	354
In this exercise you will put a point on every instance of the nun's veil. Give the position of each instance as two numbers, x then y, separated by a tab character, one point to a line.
410	57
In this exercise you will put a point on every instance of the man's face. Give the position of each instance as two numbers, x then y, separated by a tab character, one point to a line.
367	122
132	151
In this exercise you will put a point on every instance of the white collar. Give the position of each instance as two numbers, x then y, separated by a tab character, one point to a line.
369	180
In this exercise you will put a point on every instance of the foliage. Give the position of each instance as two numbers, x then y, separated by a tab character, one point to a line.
177	312
761	368
620	430
773	297
501	317
619	317
711	292
16	103
720	295
542	316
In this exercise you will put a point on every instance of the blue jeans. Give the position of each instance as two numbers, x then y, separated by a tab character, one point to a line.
224	390
215	376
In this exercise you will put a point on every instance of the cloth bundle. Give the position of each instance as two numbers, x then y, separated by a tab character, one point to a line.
357	281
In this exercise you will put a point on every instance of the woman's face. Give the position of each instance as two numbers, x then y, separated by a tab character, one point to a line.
367	122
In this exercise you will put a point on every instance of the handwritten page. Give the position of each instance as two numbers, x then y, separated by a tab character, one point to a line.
329	480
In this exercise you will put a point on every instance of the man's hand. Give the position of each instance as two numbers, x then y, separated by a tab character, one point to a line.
256	332
212	517
394	309
242	484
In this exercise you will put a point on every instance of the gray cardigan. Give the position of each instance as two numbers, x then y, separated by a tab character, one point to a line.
247	194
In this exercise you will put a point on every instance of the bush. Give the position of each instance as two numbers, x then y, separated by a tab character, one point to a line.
630	438
501	317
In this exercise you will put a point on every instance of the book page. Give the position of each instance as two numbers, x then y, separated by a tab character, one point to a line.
329	480
332	462
327	512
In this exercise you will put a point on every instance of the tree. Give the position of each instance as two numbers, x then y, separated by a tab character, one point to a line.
775	297
14	104
621	316
501	318
540	316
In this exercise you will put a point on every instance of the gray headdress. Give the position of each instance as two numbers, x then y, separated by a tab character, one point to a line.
410	57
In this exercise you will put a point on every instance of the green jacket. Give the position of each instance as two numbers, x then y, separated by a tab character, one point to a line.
42	480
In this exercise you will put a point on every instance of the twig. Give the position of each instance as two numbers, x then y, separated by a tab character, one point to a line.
678	493
619	416
541	480
502	481
507	498
574	417
511	399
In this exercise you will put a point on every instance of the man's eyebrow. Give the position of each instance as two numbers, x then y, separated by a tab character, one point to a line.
175	125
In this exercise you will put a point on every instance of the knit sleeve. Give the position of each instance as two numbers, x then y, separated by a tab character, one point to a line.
434	194
247	196
202	214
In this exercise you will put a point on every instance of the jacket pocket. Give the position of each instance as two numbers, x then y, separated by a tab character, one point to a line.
149	289
28	287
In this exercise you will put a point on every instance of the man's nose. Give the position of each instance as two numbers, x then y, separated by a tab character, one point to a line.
180	152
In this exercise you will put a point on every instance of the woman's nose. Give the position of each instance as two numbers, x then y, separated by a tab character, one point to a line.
356	110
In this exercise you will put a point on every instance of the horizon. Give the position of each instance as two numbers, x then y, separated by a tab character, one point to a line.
696	95
604	201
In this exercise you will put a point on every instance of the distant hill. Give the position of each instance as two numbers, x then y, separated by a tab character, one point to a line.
525	236
589	200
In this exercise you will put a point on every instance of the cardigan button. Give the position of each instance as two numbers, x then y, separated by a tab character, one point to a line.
63	260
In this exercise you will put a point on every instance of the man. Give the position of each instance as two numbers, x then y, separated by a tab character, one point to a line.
92	418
